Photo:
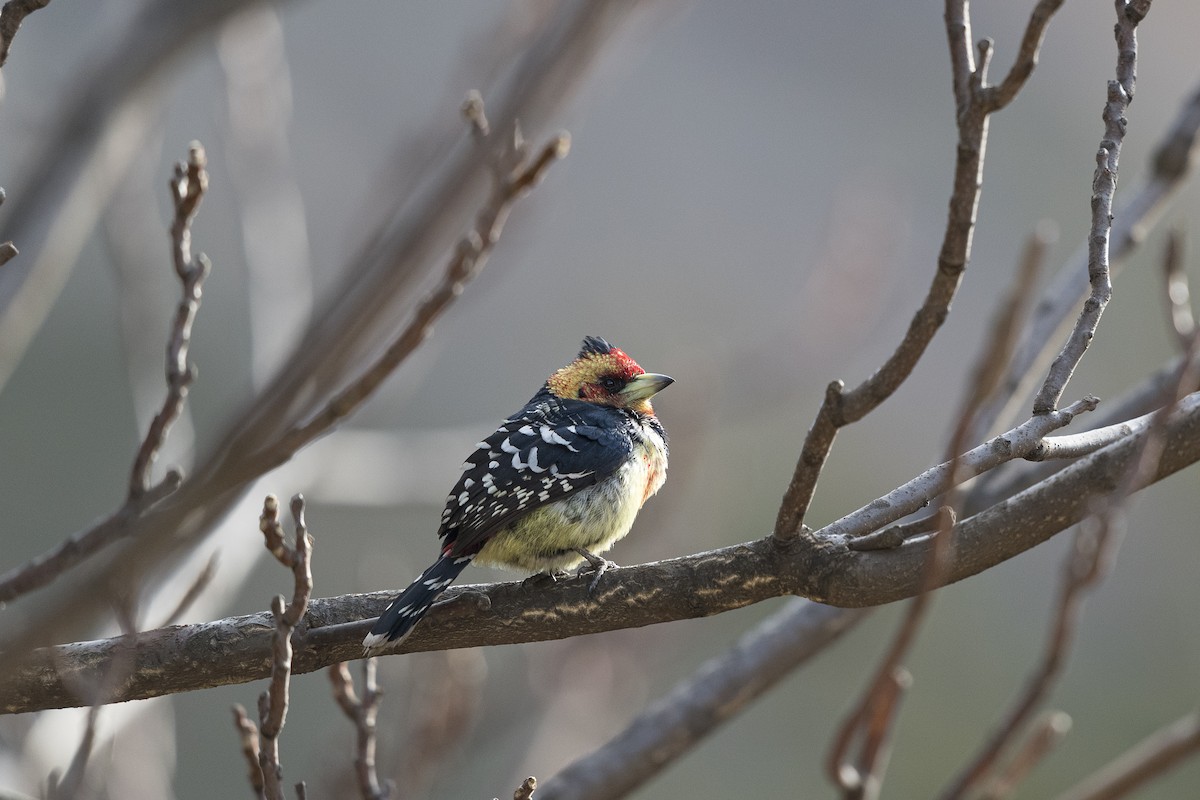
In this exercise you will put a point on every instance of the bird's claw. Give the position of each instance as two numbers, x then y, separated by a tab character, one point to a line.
596	564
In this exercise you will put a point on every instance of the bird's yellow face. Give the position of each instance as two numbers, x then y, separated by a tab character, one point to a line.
609	379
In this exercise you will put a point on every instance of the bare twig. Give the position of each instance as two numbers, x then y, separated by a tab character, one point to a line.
975	102
1148	759
203	579
273	703
1075	445
515	173
1178	297
11	17
1104	186
1046	735
248	733
896	535
45	568
361	712
1172	162
187	190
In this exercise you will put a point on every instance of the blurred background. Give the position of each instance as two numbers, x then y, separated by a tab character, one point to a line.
753	203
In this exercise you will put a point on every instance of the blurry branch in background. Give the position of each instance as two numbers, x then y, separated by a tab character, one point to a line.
187	190
362	712
1176	292
1149	758
1172	162
1094	549
974	103
444	705
11	17
273	703
345	337
88	145
870	723
719	690
515	174
526	789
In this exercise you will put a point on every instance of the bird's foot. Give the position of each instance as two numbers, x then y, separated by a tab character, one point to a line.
595	564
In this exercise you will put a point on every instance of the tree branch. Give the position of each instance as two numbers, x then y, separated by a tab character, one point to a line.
188	186
974	105
818	565
1104	186
717	691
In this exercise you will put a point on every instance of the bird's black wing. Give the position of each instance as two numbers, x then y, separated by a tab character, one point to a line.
539	456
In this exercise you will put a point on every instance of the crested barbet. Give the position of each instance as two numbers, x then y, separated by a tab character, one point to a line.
558	483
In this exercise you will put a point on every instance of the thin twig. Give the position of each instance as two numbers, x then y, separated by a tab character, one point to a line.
1104	186
187	190
273	703
1076	445
1171	164
11	17
363	714
248	733
974	102
896	535
1148	759
515	173
201	582
1046	735
45	568
1176	292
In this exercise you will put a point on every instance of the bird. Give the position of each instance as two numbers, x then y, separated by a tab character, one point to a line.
557	484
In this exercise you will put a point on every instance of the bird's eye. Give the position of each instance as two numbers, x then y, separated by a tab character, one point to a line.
610	384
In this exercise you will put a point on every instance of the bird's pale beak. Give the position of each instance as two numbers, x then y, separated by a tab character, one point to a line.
645	386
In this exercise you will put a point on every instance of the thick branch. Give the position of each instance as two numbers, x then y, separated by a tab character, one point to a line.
819	566
720	688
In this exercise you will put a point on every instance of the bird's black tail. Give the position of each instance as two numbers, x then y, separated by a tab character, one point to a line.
407	609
